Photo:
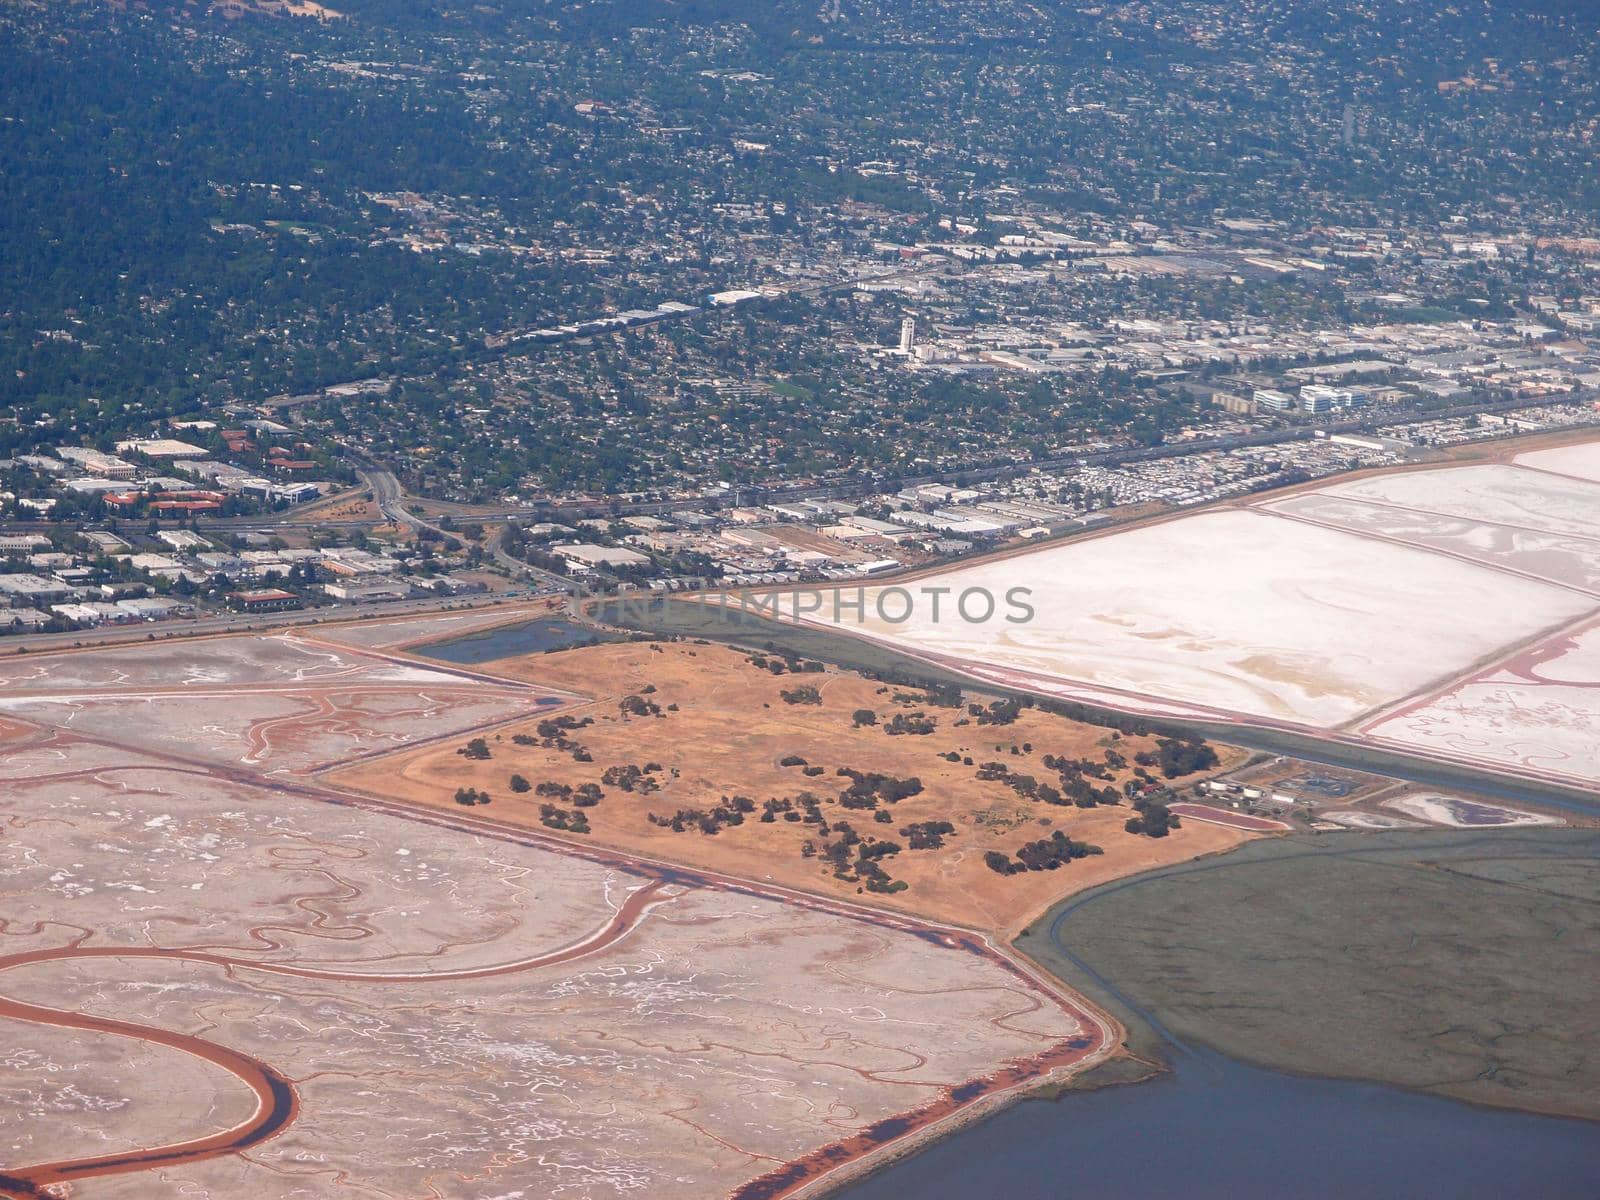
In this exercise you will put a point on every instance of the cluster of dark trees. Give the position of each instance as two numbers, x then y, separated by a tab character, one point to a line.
784	662
855	859
999	712
552	735
1179	756
866	788
772	809
630	777
1074	789
1046	854
584	795
927	835
1083	766
795	760
556	817
730	811
939	693
638	706
1154	819
916	723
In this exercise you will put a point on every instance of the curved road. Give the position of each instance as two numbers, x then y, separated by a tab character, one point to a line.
389	496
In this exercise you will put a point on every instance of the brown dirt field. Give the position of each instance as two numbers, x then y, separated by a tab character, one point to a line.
727	737
343	506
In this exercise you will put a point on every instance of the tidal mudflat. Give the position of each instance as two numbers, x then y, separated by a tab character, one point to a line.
353	997
292	702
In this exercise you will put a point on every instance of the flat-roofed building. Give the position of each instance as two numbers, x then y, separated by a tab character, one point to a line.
161	448
601	556
101	540
1319	397
96	463
264	600
370	591
20	620
25	543
35	589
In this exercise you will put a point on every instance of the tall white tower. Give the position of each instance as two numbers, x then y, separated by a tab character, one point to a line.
908	335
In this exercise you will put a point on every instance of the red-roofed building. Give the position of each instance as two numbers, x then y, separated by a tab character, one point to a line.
189	506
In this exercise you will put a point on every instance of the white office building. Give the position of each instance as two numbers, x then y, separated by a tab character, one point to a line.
1319	397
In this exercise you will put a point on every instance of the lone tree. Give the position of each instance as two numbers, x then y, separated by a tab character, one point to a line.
519	784
864	716
477	748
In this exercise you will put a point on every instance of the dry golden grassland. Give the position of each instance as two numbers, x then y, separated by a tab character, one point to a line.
724	729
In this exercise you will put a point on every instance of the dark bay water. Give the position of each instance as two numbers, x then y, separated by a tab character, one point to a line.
1217	1128
527	637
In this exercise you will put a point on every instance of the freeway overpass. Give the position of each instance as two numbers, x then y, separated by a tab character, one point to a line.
389	496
